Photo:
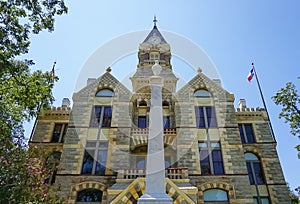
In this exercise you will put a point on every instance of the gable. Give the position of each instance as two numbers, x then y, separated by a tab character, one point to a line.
105	81
200	81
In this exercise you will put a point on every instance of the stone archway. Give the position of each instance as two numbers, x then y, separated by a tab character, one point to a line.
87	185
216	185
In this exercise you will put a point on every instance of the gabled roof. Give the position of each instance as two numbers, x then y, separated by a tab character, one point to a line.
156	32
201	81
105	80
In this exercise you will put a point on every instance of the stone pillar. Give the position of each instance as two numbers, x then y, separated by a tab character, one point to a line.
155	170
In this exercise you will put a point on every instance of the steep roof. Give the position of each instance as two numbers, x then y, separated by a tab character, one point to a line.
156	32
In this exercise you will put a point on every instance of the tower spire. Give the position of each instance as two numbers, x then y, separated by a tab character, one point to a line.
154	21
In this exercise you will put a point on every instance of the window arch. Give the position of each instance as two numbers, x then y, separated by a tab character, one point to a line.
215	195
89	195
255	171
142	103
202	93
165	103
105	93
51	163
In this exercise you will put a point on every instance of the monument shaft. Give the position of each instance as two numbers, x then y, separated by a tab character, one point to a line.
155	169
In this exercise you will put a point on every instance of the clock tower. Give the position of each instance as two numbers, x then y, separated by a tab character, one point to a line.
153	48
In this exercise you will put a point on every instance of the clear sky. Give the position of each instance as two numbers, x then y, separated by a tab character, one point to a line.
232	33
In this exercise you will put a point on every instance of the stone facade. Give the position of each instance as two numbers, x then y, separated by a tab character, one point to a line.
107	126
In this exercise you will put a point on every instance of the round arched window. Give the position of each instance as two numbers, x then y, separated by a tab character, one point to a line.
202	93
255	171
143	103
89	195
215	195
105	93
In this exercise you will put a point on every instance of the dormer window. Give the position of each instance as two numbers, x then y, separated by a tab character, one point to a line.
105	93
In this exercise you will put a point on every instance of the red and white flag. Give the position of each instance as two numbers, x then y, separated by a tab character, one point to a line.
251	74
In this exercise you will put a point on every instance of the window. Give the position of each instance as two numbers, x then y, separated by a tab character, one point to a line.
255	171
51	164
205	117
105	93
94	159
145	56
154	56
246	133
202	93
140	162
211	161
165	103
142	122
59	132
101	116
167	161
143	103
215	195
89	195
261	200
166	122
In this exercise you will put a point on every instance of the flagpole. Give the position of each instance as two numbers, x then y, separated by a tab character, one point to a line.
264	103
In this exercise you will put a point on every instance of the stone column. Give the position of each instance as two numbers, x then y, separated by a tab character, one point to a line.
155	169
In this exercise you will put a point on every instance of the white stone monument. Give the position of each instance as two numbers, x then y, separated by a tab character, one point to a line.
155	169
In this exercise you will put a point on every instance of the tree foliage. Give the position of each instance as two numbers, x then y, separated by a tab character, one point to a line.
23	175
289	99
19	18
22	94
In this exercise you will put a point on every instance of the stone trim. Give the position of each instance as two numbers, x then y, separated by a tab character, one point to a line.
87	185
216	185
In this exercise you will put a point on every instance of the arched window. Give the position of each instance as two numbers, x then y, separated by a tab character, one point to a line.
105	93
143	103
89	195
202	93
51	163
215	195
165	103
255	172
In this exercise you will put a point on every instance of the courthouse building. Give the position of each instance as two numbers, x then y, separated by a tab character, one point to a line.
214	152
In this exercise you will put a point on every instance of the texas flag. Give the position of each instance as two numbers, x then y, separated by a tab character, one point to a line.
251	74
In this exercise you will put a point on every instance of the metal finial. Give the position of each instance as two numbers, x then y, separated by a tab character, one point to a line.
154	20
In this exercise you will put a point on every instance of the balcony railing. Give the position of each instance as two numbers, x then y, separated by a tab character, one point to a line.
139	136
145	131
171	173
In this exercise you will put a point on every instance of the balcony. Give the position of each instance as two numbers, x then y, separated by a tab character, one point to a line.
139	137
171	173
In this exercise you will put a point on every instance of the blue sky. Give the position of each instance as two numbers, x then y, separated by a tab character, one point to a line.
232	33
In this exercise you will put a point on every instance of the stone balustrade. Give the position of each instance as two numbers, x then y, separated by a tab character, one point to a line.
171	173
139	137
145	131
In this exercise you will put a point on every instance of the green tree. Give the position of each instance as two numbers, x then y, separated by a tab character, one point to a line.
22	94
289	99
293	196
23	175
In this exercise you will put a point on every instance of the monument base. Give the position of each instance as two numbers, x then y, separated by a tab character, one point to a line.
156	198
